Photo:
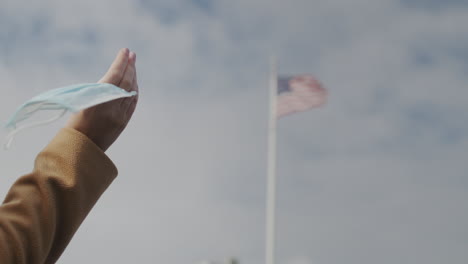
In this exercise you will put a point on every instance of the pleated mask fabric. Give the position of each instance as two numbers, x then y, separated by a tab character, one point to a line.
71	98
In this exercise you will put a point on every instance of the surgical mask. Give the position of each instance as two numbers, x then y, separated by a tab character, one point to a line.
72	98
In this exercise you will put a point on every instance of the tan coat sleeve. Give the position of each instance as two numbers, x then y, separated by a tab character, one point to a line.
43	209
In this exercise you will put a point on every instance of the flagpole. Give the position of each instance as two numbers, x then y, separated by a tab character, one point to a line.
271	176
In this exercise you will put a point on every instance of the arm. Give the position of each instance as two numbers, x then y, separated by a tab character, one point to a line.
43	209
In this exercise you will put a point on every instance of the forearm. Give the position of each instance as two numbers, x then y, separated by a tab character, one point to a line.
43	209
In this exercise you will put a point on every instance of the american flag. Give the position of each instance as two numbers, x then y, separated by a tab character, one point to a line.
299	93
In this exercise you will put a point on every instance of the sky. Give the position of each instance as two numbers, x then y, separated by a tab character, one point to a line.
378	175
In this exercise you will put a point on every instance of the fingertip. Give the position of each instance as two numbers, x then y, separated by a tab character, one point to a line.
132	56
125	51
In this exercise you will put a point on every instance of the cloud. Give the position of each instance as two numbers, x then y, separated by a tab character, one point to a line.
299	260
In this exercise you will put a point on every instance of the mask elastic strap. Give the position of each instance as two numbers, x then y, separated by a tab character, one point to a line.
9	138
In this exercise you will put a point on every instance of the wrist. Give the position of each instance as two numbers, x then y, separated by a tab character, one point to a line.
78	122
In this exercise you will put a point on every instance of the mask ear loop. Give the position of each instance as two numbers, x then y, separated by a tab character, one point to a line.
9	138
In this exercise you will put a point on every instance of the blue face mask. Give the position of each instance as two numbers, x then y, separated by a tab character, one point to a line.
72	98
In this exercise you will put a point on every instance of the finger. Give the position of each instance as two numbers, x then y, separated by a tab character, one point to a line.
135	82
116	71
129	74
128	101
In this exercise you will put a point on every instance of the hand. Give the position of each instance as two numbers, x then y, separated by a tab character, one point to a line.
103	123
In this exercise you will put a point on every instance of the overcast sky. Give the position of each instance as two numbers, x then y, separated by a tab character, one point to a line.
378	175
